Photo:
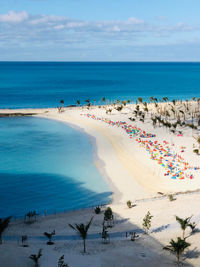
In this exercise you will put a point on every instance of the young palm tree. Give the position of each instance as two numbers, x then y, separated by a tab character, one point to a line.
35	257
198	141
183	113
184	223
82	230
3	225
49	236
62	102
147	222
87	101
177	247
61	262
103	99
151	99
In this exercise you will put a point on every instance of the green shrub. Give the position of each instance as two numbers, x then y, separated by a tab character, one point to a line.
147	222
108	214
129	204
97	210
171	197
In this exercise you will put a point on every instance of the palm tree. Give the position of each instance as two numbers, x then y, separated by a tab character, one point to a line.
35	257
30	215
82	230
103	99
174	102
87	101
182	112
184	223
108	217
198	141
177	247
49	236
3	225
62	102
145	107
61	262
151	99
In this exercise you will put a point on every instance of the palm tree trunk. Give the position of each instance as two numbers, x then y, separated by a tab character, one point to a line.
183	234
178	257
84	247
0	239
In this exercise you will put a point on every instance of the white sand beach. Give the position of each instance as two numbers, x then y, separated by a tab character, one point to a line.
142	169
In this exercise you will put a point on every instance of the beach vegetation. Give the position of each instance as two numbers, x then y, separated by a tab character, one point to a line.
61	262
129	204
108	217
196	151
108	111
35	257
82	230
103	99
177	247
171	197
154	120
88	102
24	240
78	102
198	141
137	108
31	215
49	236
3	225
97	210
132	119
184	223
62	102
119	108
124	103
104	235
151	99
147	222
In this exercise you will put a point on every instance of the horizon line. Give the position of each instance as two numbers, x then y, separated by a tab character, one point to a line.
92	61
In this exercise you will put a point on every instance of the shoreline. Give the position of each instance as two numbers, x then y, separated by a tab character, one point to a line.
99	140
127	170
99	163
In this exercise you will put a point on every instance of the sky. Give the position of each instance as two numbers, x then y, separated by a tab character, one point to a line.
99	30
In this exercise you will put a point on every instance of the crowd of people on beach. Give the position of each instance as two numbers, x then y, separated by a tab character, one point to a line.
164	154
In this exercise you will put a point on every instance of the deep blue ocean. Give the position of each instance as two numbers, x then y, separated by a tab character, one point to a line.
44	84
47	165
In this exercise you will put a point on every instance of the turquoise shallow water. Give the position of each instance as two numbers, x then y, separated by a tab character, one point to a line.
44	84
46	165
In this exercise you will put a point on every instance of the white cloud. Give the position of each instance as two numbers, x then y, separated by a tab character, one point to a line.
43	30
12	16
